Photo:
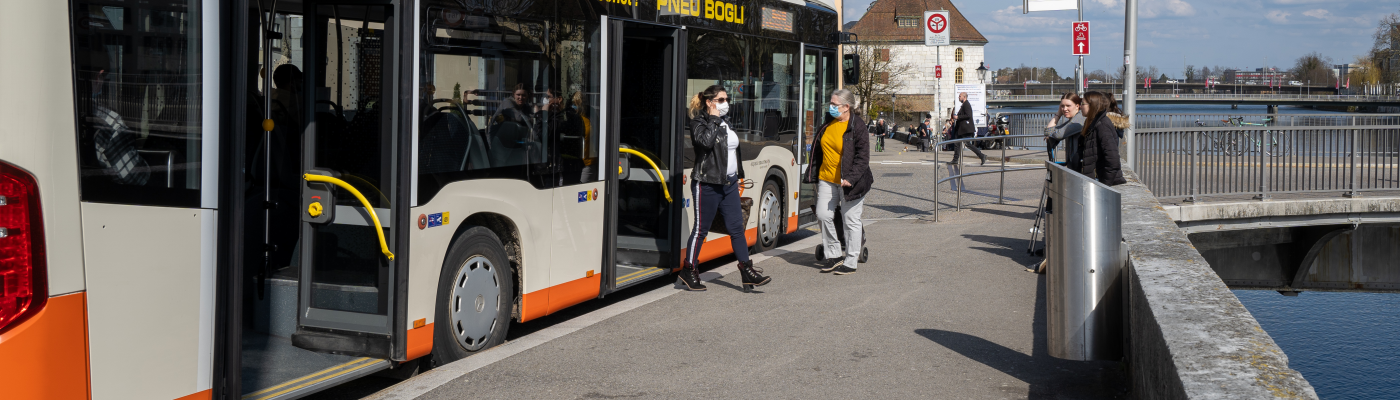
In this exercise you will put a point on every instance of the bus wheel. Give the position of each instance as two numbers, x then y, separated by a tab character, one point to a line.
770	218
475	293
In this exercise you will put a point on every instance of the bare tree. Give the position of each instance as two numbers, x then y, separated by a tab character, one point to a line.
1190	73
1385	52
1312	67
881	75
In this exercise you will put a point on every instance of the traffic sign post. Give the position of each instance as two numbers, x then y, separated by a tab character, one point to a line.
1080	39
936	30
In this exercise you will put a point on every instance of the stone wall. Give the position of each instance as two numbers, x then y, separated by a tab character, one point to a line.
1189	336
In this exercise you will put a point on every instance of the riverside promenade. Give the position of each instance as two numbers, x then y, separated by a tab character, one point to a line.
941	310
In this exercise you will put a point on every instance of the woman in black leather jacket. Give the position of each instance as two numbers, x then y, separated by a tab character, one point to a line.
715	186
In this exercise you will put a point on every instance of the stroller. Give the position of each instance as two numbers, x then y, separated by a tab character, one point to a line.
841	234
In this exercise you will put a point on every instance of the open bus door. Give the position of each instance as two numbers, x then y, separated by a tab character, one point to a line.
326	188
645	68
351	207
818	82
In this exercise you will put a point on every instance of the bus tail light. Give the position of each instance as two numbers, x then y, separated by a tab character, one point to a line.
22	284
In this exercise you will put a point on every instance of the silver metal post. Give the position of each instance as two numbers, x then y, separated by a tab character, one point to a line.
1130	78
957	183
1079	85
1355	162
1001	188
936	173
1192	157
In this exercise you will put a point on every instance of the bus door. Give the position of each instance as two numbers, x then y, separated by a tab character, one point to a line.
643	174
350	252
818	82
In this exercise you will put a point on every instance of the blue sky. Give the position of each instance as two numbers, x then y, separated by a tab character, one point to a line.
1230	33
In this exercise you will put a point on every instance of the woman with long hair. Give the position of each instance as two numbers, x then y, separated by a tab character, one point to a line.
1066	124
715	186
1097	155
841	170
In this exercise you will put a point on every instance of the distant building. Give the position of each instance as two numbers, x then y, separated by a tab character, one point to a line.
1259	77
899	25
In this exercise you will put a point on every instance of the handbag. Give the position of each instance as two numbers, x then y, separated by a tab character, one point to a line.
745	204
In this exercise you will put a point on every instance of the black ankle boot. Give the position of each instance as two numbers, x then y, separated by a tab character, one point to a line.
690	277
752	276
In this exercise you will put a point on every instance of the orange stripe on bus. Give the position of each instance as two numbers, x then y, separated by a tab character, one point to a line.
792	223
46	357
558	297
206	394
420	341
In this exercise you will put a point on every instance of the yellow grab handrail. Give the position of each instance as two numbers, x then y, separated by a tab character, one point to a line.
664	190
378	229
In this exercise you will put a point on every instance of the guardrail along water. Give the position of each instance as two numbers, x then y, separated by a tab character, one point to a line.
1192	156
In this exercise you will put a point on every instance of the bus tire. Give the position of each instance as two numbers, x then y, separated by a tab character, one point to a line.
770	218
475	270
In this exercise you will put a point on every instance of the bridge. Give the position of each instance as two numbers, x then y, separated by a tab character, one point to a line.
1279	99
1167	88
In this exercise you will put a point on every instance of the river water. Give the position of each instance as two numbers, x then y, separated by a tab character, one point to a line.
1347	345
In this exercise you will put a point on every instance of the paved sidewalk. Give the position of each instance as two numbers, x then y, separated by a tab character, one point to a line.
942	310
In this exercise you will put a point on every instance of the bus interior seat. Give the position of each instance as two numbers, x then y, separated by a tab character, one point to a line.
450	144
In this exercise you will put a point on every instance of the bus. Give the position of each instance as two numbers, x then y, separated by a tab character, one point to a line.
260	199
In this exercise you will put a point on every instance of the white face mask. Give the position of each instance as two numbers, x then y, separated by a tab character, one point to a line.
723	109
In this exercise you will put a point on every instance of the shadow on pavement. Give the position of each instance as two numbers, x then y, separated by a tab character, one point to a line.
1011	248
1048	377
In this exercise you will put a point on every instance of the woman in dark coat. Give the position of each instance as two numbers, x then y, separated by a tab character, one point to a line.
841	169
1096	155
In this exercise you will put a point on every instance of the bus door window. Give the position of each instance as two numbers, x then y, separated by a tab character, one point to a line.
137	75
488	106
773	71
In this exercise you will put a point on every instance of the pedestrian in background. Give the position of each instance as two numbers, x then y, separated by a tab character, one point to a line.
1098	145
966	129
841	170
880	131
715	186
1066	124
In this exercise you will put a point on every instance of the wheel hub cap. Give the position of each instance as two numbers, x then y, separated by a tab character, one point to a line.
475	300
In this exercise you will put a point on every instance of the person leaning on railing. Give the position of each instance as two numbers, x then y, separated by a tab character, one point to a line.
1096	155
1066	124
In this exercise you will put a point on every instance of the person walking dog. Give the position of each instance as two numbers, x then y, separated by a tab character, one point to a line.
841	170
715	186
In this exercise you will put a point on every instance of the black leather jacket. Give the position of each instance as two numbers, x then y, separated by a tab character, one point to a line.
710	140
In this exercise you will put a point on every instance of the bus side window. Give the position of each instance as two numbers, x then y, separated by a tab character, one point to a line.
138	104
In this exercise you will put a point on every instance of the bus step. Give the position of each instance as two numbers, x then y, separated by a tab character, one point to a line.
320	380
628	275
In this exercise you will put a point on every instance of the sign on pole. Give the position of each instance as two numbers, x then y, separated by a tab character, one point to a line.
1080	38
977	97
938	72
936	30
1050	5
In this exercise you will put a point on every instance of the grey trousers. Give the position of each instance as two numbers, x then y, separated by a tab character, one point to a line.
829	196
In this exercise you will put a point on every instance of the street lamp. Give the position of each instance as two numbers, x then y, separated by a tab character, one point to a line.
982	72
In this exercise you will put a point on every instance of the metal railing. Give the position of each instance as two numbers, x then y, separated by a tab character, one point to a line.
1034	123
957	186
1193	162
1219	96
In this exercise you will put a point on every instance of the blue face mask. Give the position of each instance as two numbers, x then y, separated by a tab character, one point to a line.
834	111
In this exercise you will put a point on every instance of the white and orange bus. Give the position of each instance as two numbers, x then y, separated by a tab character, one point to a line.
253	199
